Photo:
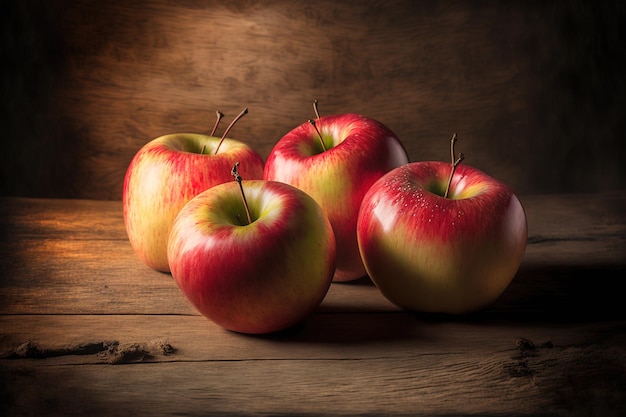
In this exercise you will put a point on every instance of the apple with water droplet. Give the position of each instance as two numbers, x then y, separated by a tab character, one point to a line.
440	237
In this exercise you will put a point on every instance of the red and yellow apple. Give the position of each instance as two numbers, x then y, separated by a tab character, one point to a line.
443	254
335	159
165	174
253	277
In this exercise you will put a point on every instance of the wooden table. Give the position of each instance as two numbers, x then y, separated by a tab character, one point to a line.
86	329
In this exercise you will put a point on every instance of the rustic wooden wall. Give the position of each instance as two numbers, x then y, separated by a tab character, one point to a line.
535	90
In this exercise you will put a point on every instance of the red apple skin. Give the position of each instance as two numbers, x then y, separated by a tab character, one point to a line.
165	174
361	150
442	255
256	278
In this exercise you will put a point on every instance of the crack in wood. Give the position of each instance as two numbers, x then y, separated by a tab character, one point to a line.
110	351
32	350
526	348
538	239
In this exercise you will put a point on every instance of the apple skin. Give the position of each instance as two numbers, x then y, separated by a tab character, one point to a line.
359	151
165	174
433	254
255	278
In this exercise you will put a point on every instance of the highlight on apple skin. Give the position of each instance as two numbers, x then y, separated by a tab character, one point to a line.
429	253
165	174
336	159
258	277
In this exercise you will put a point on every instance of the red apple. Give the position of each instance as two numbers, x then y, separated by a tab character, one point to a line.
165	174
257	277
432	253
356	151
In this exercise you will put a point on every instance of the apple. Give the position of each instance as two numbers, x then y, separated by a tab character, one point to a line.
253	276
441	238
166	173
335	159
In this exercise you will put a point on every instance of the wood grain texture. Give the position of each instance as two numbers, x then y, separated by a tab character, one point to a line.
534	89
77	251
86	329
451	369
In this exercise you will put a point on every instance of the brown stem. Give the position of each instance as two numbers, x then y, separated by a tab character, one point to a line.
317	113
454	163
453	140
319	135
217	121
239	116
235	173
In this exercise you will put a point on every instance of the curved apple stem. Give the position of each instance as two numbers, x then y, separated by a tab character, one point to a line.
239	116
235	173
317	113
454	164
314	123
319	135
217	121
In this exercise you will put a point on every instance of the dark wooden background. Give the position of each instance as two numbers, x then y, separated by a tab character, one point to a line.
535	89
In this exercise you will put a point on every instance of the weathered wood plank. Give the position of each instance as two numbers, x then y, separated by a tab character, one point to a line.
75	300
58	219
332	364
576	229
73	257
91	339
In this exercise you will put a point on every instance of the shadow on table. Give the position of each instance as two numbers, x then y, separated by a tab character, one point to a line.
561	294
547	293
550	295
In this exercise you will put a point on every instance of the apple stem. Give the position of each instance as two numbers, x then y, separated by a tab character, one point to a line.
217	121
454	163
319	135
235	173
239	116
317	113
